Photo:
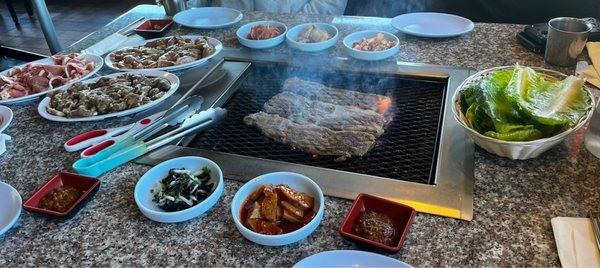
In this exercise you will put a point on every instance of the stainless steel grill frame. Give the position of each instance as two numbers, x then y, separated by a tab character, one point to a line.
450	195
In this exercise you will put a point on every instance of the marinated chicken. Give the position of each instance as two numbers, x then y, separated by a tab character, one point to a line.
164	52
274	210
107	95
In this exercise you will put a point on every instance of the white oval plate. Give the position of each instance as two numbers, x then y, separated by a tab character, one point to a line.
6	116
10	207
349	258
98	63
173	79
208	17
431	24
218	47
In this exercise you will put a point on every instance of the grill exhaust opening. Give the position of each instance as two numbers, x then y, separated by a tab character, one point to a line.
407	151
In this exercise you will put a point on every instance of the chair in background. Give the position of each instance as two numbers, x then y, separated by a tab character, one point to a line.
13	12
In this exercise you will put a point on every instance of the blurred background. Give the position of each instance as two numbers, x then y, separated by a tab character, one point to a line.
76	19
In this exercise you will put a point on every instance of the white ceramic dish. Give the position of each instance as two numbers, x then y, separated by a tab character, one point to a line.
431	24
349	258
243	31
10	207
208	17
293	33
6	116
295	181
143	197
513	149
98	63
218	47
350	39
173	79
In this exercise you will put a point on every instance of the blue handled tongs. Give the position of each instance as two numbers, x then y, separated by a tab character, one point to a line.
136	146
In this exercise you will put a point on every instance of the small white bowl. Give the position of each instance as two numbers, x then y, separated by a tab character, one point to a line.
143	196
243	31
370	55
514	149
10	207
295	181
293	33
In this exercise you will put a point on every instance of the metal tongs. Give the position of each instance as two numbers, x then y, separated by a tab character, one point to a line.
136	146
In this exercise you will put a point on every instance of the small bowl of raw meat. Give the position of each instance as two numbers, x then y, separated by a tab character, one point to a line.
278	208
179	189
262	34
312	37
371	45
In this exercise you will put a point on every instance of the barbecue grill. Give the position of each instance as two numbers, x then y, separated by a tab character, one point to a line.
423	159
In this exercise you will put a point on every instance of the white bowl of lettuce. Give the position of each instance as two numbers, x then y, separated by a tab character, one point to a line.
520	112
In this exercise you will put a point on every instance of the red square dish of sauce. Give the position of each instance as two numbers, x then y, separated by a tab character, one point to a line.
401	215
87	185
153	28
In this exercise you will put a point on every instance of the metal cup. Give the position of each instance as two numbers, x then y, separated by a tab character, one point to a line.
566	39
592	136
173	7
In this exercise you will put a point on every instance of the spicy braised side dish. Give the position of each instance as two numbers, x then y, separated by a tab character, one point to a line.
377	227
182	189
107	95
263	32
60	199
377	43
170	51
278	209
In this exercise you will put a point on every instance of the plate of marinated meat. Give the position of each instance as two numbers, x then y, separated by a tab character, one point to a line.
113	95
166	54
31	80
321	120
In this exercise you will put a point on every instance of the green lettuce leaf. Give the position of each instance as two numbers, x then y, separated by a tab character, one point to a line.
560	103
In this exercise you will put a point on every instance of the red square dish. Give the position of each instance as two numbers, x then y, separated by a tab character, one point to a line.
401	215
153	28
87	185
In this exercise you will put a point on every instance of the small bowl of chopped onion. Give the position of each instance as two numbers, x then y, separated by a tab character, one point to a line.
371	45
312	37
179	189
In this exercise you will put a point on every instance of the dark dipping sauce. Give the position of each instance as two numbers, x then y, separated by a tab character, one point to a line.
281	222
376	227
61	198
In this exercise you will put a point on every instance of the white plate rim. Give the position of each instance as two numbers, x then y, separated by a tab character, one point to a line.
469	28
98	63
218	47
173	79
7	116
239	17
340	253
13	221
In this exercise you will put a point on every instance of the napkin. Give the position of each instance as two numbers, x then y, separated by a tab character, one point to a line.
592	72
575	242
111	43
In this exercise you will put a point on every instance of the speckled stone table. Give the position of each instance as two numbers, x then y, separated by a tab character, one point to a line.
513	200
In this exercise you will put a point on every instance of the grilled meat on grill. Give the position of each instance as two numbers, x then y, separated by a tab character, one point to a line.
311	138
316	91
336	117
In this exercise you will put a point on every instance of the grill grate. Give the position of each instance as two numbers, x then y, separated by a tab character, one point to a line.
406	151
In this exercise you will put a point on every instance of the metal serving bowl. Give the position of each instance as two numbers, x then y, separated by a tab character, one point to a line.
515	149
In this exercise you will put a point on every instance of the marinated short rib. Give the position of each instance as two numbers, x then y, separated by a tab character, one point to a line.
298	199
316	91
269	208
301	110
311	138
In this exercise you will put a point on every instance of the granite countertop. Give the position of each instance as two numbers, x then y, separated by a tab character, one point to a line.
513	200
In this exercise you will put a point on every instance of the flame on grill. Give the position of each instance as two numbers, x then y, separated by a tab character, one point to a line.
383	105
